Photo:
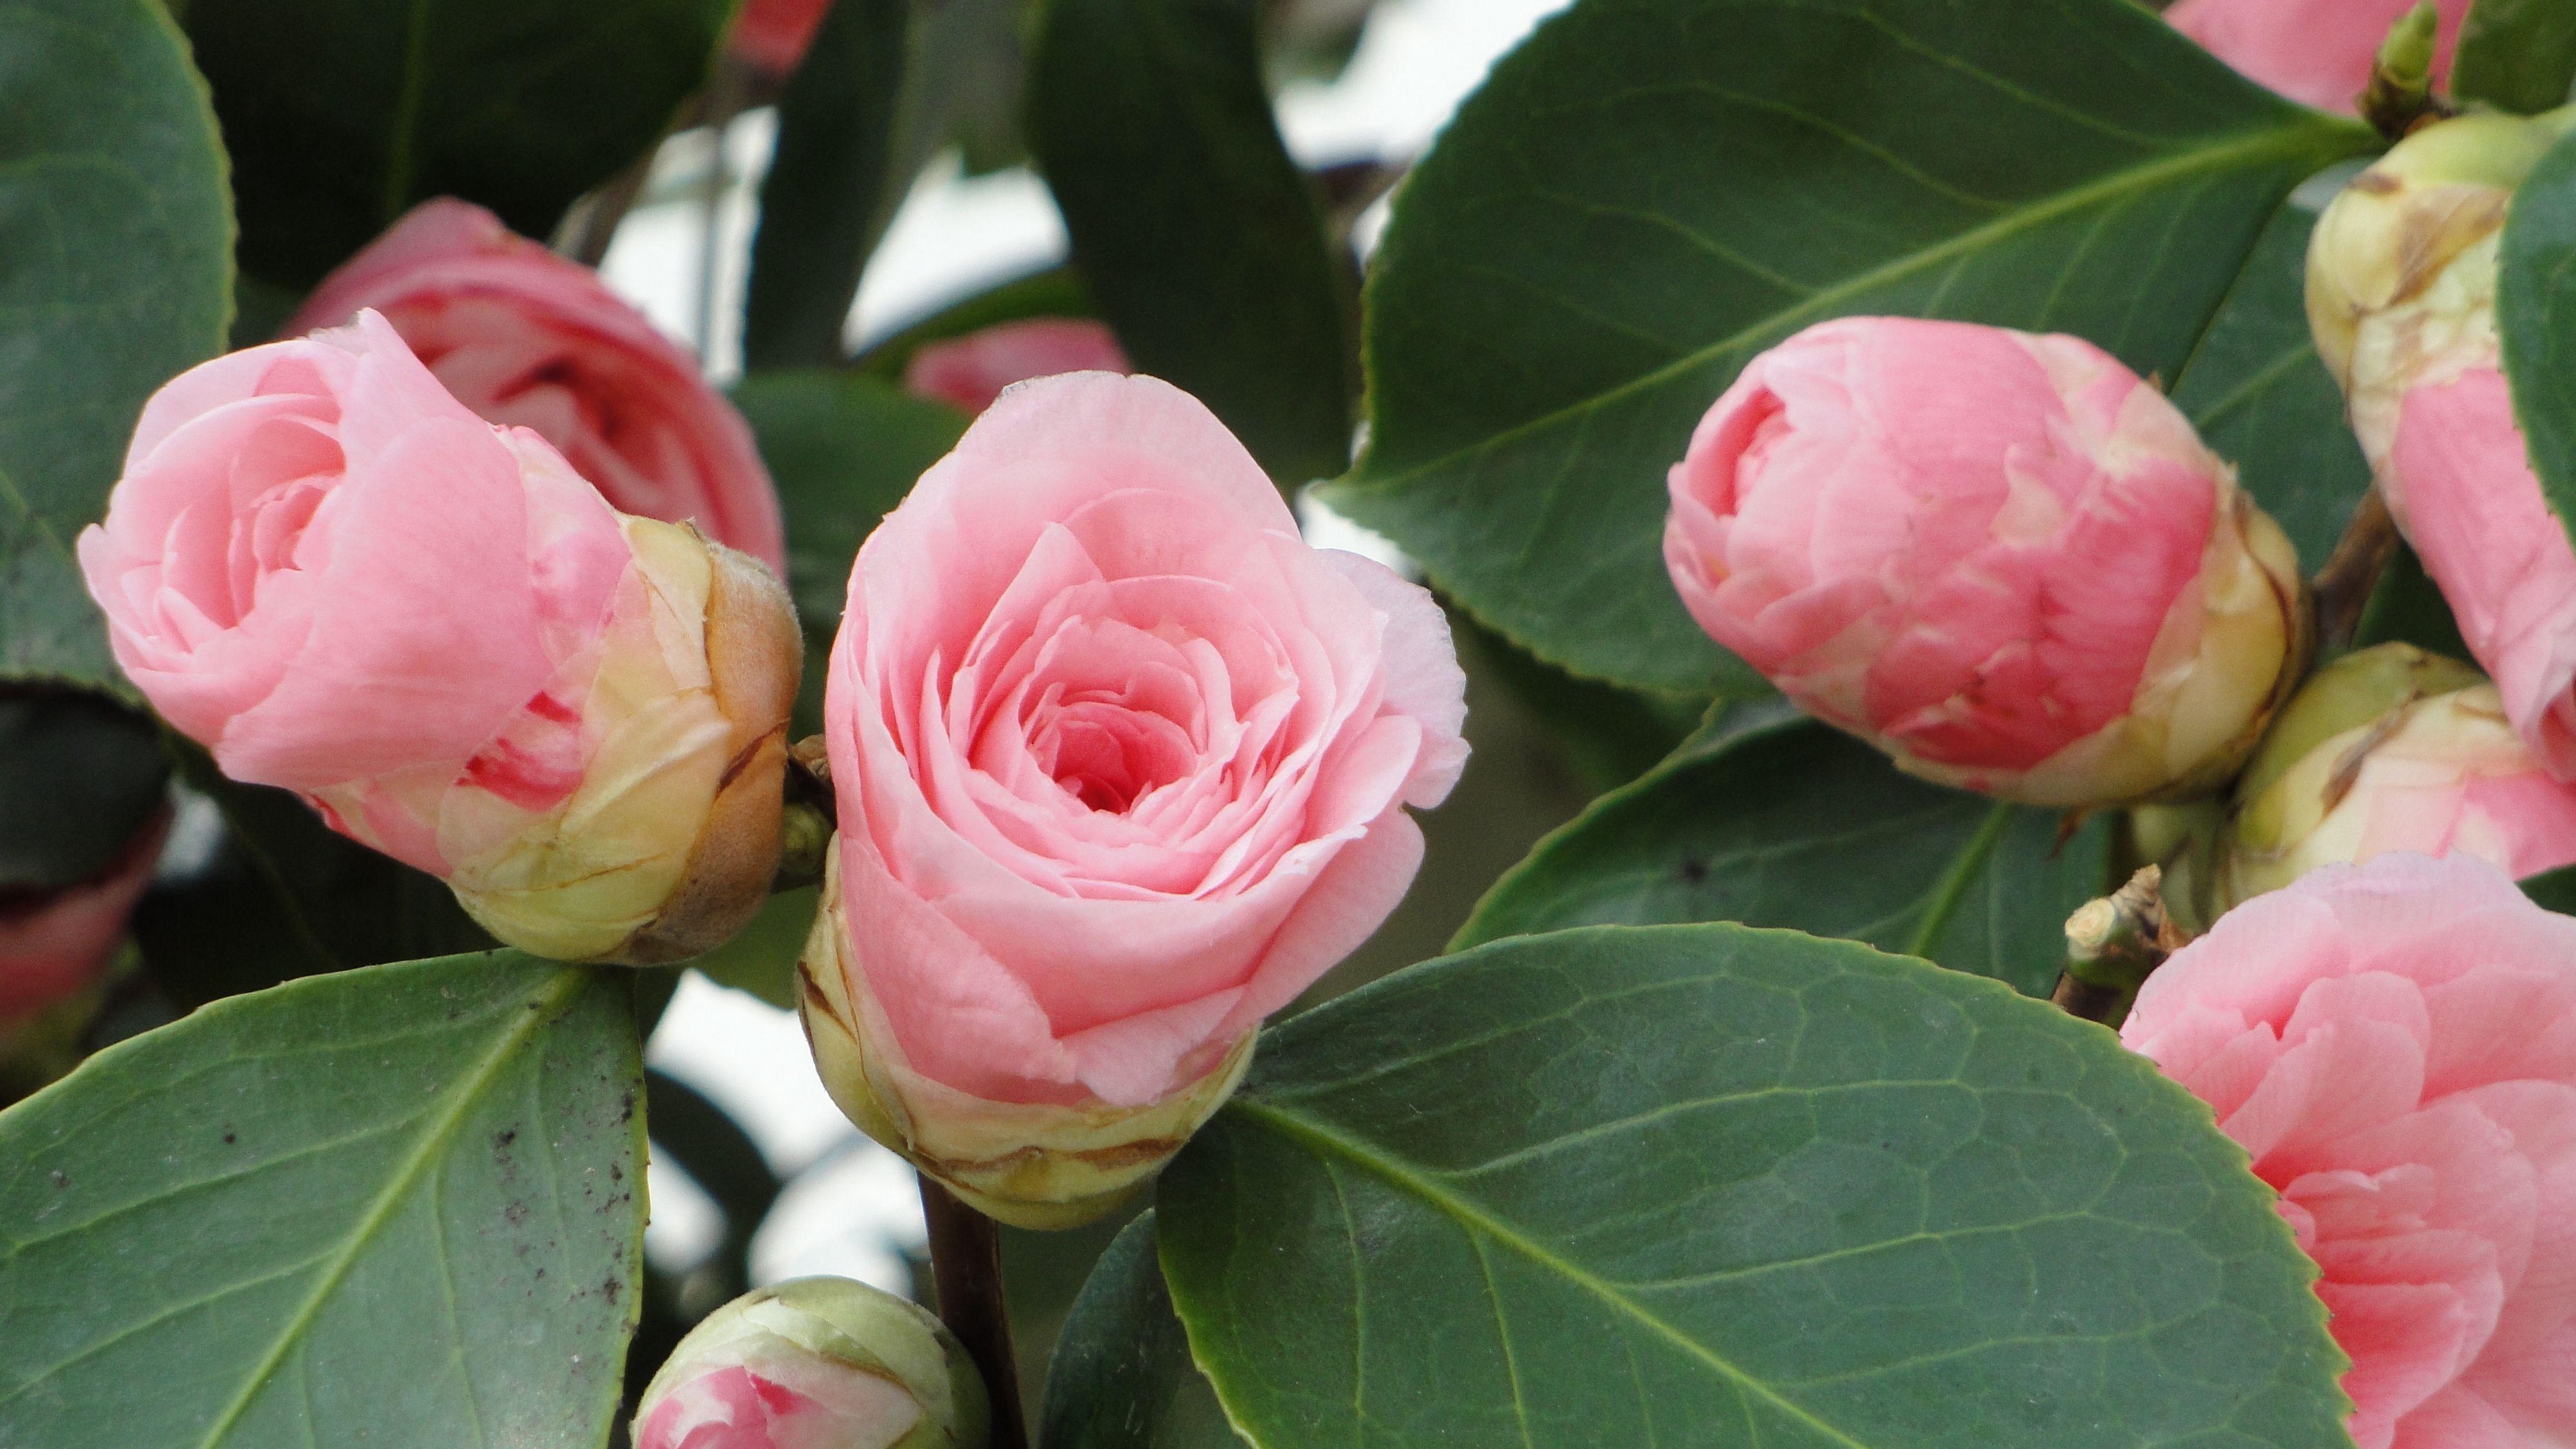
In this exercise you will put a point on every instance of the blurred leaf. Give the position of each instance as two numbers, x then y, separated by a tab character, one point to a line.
761	960
1726	1187
397	1206
2264	401
79	774
1610	735
1774	819
1649	192
1122	1377
115	270
341	116
726	1164
2406	607
1054	292
2553	890
2535	310
1199	236
845	448
2519	55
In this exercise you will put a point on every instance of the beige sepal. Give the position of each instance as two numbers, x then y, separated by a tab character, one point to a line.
1032	1165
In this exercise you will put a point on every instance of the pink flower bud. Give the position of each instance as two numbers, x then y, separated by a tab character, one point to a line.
2401	296
2001	558
2392	749
2316	51
55	944
972	370
324	568
1121	765
773	35
816	1363
528	339
2395	1046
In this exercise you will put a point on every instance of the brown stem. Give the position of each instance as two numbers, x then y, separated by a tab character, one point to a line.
966	1269
2343	586
2112	945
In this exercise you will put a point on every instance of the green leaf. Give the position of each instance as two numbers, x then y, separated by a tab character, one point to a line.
1610	735
2535	311
1773	819
116	273
1727	1187
2518	55
761	958
341	114
1198	234
845	448
1122	1376
2263	399
398	1206
1053	292
1649	192
2407	607
79	774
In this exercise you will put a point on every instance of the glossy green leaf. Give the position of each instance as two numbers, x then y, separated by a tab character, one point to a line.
2263	399
1649	192
116	273
342	114
1609	734
2519	55
845	448
1715	1186
79	774
2535	311
1122	1376
1773	819
1199	236
397	1207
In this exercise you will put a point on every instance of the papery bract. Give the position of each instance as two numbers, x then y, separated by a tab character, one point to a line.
1121	766
972	370
327	570
2316	51
815	1363
2002	558
2395	1045
528	338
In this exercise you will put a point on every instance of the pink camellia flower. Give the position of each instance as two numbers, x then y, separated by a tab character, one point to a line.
2316	51
2002	558
56	944
972	370
773	35
2401	297
815	1363
328	571
526	338
1121	765
2395	1045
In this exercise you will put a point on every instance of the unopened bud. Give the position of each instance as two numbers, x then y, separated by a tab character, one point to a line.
815	1363
2392	749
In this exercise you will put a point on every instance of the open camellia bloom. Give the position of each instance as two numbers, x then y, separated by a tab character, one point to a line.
1121	765
2004	559
2316	51
815	1363
529	339
2395	1045
328	571
972	370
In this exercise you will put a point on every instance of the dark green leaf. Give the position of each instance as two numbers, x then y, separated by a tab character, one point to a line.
2406	607
761	958
1610	735
2519	55
726	1164
1773	819
115	270
79	774
1649	192
396	1207
2554	889
1715	1186
845	448
1198	234
1122	1376
2535	310
341	114
1054	292
2263	399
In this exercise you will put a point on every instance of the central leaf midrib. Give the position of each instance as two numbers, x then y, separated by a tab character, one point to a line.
2107	188
1467	1214
539	1010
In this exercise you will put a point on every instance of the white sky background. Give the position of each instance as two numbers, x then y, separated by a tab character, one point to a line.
855	1212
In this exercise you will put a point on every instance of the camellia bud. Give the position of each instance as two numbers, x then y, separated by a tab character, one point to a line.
2392	749
815	1363
325	569
2004	559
